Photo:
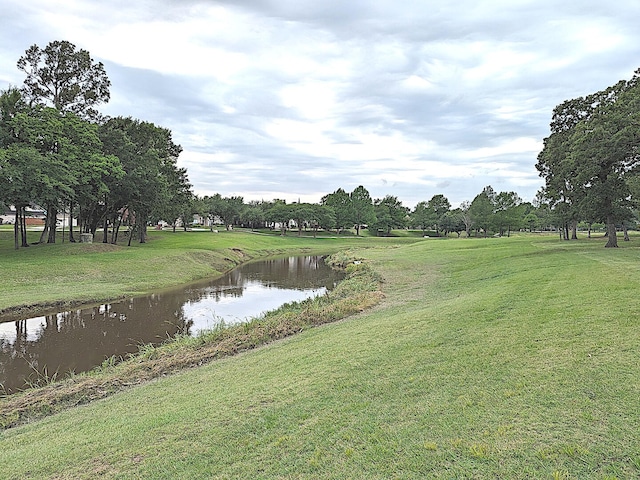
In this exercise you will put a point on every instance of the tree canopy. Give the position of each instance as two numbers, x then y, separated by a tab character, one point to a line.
64	77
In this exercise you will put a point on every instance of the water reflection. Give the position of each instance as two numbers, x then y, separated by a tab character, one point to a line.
78	340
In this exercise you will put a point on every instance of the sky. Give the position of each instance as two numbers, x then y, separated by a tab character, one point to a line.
293	99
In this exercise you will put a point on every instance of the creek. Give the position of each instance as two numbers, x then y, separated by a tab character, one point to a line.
35	349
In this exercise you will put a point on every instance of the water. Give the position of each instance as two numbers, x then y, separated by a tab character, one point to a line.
80	339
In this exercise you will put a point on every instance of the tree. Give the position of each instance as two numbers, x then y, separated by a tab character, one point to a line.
507	214
20	177
559	167
75	169
280	213
607	146
11	103
253	214
340	202
466	216
322	217
453	221
423	216
227	209
439	206
362	208
178	201
302	214
390	214
65	78
482	208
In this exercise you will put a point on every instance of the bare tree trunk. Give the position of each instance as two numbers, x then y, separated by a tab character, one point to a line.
132	231
16	225
612	239
626	232
143	232
71	238
45	230
52	218
574	230
23	227
105	230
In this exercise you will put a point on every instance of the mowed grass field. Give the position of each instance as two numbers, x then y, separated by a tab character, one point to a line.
488	358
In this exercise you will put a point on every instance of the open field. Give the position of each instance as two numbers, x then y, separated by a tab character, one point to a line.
488	358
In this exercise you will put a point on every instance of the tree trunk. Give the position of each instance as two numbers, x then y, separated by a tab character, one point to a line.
574	230
52	217
117	220
71	238
16	225
131	233
612	239
105	230
45	230
23	227
626	232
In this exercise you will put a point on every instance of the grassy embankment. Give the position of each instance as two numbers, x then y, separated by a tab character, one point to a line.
488	358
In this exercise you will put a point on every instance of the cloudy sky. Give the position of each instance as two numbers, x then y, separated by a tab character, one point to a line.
294	99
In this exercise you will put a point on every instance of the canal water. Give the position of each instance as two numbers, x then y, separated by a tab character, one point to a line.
78	340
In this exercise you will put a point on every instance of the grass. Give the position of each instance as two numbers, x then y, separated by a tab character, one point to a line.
488	358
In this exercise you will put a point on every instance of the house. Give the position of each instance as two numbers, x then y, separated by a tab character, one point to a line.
34	216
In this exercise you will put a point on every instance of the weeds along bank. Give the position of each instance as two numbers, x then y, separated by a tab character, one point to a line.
486	358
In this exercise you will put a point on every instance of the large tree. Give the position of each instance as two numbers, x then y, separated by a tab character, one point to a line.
482	208
423	217
362	208
559	167
64	77
340	202
592	152
508	214
390	214
439	206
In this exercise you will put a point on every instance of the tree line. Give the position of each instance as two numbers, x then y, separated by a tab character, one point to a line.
339	211
58	152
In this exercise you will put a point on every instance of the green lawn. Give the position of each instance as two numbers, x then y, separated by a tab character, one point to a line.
488	358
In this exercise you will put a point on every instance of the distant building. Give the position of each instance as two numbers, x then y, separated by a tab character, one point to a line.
35	216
